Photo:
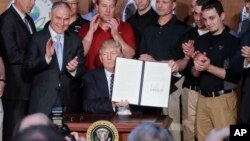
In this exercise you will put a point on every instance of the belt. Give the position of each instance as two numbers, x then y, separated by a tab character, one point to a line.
214	94
194	87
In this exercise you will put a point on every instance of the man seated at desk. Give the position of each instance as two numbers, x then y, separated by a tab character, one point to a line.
98	84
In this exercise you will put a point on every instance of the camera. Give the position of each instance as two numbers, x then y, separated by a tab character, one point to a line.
57	119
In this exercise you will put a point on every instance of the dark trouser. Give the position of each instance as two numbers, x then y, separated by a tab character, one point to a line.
14	111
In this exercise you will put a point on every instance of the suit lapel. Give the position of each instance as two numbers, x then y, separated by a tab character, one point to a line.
32	24
104	82
20	20
66	50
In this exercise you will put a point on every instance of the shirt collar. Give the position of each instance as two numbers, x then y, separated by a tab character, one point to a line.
107	73
170	22
19	12
54	34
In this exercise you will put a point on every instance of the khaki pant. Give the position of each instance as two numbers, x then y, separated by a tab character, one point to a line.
215	112
173	111
189	100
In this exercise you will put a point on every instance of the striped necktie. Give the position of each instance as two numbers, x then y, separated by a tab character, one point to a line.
111	85
26	21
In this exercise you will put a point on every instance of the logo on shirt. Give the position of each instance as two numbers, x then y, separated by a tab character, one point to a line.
220	47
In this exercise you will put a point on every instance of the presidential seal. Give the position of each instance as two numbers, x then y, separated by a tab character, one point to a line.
102	131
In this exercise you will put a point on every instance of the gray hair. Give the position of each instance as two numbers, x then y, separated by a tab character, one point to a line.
149	132
60	4
110	44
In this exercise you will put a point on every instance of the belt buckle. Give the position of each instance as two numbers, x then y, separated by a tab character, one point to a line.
221	92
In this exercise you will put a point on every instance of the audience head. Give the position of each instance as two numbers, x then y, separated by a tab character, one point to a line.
33	120
25	6
143	5
213	4
213	16
38	133
165	7
108	52
106	9
193	3
99	1
247	4
59	16
198	14
73	4
149	132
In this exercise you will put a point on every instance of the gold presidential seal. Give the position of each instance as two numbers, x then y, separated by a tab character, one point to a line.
102	131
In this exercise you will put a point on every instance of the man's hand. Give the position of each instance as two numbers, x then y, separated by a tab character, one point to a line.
50	48
173	65
2	84
188	48
147	57
201	61
94	23
245	52
113	25
122	103
72	65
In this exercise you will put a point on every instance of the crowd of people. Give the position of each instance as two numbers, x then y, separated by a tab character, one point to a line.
70	64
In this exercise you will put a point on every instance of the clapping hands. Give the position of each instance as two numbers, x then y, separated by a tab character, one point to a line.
201	61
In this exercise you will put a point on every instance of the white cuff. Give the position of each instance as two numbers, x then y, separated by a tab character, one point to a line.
48	60
73	73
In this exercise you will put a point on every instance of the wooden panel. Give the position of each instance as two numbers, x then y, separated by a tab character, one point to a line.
232	9
124	124
3	5
84	6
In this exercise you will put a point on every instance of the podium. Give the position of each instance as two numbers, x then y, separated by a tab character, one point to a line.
124	124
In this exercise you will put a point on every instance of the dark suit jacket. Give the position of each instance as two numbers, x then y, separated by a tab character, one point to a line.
245	104
46	77
14	37
96	93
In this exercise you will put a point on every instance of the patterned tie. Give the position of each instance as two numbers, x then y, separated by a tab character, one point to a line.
59	51
111	85
26	21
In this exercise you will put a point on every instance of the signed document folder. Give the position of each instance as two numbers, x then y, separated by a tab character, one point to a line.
141	83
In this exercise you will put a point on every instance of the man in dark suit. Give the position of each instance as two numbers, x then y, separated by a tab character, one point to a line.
2	85
16	27
245	52
97	90
55	60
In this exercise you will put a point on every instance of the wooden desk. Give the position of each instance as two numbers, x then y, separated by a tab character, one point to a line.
124	124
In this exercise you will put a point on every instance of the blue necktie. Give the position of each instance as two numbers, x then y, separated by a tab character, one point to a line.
59	51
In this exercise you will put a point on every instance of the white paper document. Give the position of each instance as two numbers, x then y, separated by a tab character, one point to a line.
141	83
